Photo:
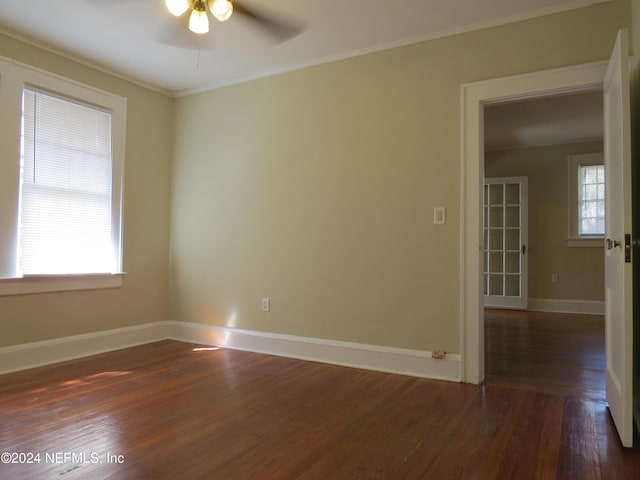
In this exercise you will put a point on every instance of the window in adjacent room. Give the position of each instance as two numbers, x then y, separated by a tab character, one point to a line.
586	200
590	201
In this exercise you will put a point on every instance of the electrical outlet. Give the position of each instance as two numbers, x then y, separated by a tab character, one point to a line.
266	304
555	278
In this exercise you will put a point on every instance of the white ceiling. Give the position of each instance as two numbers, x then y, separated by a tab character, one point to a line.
140	40
545	121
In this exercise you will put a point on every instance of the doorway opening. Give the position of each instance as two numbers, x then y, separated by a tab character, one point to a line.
543	290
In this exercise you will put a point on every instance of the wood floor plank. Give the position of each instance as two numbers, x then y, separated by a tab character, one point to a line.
579	453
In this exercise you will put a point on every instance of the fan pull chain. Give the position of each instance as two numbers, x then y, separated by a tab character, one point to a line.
199	51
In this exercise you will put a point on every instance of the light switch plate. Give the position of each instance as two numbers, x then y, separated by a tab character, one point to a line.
439	215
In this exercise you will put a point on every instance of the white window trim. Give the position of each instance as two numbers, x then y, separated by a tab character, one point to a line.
59	283
574	161
14	76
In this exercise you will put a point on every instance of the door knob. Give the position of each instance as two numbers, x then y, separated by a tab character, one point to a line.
612	244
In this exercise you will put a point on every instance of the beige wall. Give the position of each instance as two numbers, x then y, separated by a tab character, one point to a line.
316	188
580	270
143	298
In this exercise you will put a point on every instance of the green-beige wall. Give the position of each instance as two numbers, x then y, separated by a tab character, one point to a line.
580	270
316	188
143	298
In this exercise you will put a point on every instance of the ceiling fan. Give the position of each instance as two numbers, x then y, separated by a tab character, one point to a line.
222	11
279	27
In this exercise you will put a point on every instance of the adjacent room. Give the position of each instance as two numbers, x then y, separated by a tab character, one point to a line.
245	239
544	278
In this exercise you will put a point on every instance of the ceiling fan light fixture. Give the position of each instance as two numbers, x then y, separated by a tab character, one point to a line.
199	22
177	7
221	9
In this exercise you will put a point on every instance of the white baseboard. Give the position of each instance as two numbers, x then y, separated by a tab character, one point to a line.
566	306
371	357
416	363
37	354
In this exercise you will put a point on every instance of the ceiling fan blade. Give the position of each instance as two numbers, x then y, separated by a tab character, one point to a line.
276	25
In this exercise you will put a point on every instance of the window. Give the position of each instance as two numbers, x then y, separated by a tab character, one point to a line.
62	156
586	200
65	187
590	200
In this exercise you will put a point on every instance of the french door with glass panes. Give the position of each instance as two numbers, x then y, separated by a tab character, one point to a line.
505	242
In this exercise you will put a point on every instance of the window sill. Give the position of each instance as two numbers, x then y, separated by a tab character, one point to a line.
59	283
586	242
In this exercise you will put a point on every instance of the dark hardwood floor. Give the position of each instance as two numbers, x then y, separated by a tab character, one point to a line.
164	411
546	352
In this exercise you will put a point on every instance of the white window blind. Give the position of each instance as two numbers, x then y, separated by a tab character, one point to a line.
65	187
591	200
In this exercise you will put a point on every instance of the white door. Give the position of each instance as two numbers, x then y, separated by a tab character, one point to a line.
618	271
505	242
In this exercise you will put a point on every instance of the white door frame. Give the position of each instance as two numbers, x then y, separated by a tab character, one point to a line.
474	96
